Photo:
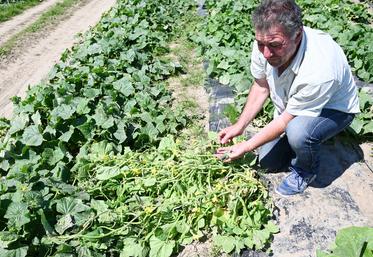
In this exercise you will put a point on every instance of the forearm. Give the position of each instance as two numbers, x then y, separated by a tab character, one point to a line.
255	101
270	132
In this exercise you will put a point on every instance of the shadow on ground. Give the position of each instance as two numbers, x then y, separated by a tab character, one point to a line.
336	157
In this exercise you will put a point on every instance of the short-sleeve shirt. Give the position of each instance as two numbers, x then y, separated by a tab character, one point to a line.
318	77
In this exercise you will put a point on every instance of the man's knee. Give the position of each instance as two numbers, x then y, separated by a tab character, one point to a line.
298	133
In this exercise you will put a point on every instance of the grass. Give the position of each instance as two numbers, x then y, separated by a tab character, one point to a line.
48	18
9	10
187	85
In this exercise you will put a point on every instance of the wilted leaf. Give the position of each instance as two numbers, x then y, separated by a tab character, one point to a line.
106	172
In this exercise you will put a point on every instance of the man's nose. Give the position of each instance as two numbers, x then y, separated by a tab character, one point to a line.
267	53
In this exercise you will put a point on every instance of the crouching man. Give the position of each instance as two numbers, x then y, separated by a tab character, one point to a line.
307	76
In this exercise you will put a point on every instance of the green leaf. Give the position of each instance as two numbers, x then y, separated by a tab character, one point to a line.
32	136
131	248
225	79
105	215
261	237
49	130
365	99
224	65
272	228
86	252
82	107
201	223
159	248
17	214
106	172
211	68
149	182
91	92
65	137
102	119
357	125
167	143
63	111
124	85
47	227
99	205
227	243
368	127
320	253
64	223
69	205
87	129
36	118
182	227
120	134
350	241
53	156
18	123
19	252
7	238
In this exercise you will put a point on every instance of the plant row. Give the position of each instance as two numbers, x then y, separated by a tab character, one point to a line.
111	87
89	166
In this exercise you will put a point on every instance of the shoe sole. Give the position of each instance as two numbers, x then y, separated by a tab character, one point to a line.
279	193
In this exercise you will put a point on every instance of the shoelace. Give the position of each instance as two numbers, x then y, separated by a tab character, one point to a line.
298	178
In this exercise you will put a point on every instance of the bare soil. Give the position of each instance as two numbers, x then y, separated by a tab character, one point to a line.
35	57
15	25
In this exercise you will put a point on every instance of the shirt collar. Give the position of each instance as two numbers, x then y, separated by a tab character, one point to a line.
295	64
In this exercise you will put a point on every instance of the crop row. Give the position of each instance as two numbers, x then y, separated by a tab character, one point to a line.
89	166
109	88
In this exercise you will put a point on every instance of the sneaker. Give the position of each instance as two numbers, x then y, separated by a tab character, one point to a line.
295	182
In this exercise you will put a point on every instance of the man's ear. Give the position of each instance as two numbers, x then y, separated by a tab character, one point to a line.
300	32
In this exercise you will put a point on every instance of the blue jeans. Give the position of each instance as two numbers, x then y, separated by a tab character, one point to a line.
300	145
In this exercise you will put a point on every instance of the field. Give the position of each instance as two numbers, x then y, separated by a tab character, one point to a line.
109	156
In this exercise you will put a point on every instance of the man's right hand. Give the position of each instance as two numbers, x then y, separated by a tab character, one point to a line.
227	134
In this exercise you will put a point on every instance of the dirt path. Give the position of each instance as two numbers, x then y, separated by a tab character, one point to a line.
36	60
16	24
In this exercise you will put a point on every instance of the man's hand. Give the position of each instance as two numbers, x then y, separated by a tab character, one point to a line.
230	132
230	153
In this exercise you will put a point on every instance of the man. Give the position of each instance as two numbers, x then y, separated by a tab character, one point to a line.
307	76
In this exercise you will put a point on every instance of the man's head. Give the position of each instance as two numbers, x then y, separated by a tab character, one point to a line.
278	30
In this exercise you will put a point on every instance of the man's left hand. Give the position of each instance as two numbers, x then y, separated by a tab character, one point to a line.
230	153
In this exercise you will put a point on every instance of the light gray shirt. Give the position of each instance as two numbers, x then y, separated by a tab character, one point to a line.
318	77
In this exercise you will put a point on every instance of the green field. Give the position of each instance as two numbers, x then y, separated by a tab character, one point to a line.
102	160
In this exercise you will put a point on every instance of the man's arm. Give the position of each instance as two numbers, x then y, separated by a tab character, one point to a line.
259	92
271	131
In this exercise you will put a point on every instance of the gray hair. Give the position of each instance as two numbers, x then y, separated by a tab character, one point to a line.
278	12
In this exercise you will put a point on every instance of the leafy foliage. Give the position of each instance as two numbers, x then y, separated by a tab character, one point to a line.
137	204
89	166
363	123
351	242
110	87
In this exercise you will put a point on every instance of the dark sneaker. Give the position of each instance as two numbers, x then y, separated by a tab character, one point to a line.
295	183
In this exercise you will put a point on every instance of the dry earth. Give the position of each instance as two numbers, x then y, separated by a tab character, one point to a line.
11	27
38	57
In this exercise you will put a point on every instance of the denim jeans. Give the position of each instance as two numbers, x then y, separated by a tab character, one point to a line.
300	145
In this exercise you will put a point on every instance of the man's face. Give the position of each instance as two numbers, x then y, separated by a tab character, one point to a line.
278	48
